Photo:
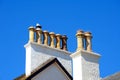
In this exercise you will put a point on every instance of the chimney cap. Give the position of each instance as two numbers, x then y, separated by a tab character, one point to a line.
31	27
38	25
51	33
64	36
80	31
45	31
58	35
88	34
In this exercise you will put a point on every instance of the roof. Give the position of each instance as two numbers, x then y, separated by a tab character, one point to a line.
42	68
115	76
21	77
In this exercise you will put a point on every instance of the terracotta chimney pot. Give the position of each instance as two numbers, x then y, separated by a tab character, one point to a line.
52	37
45	34
38	34
58	36
80	40
31	34
88	37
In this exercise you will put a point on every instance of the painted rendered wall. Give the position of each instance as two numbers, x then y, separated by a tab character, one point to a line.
28	61
90	67
77	67
51	73
85	65
37	54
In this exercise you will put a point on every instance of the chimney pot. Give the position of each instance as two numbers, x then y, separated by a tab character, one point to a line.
45	37
52	36
58	36
79	33
80	40
52	33
38	35
45	31
89	34
88	38
31	34
64	36
64	42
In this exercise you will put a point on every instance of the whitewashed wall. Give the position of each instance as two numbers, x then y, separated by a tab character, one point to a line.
51	73
85	65
90	66
38	54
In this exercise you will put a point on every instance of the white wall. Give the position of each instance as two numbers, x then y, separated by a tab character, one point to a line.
85	65
77	67
41	53
28	61
51	73
90	67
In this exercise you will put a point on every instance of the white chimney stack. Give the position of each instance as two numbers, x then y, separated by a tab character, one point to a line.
85	63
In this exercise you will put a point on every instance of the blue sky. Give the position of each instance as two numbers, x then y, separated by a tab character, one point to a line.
101	17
